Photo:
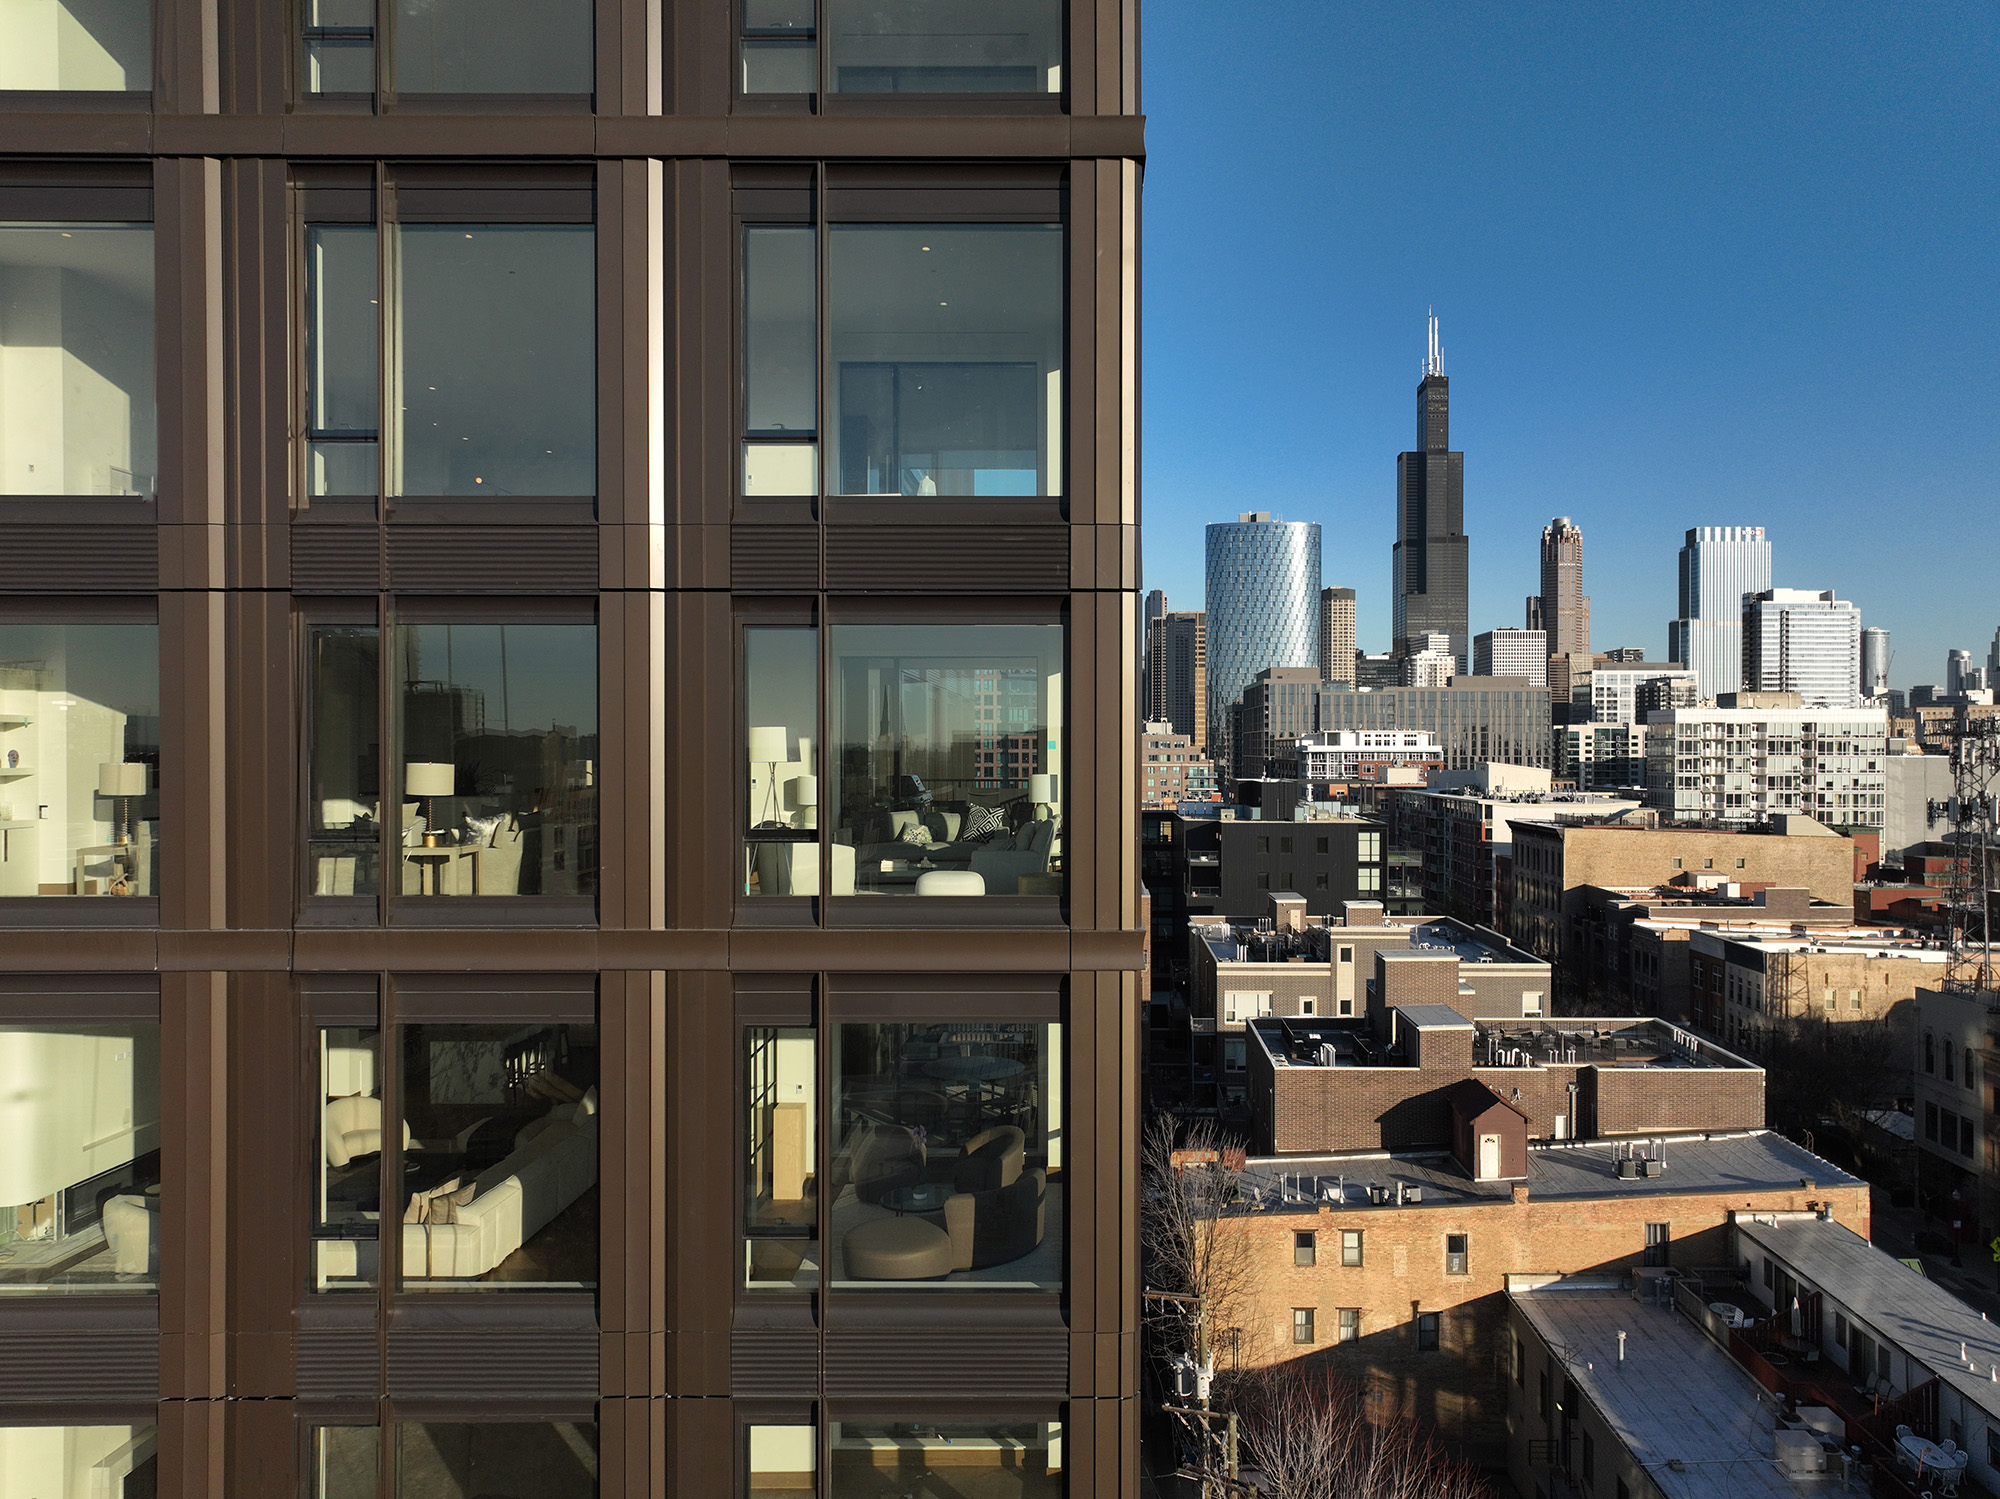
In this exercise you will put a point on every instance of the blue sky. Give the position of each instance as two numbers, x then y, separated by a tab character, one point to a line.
1697	264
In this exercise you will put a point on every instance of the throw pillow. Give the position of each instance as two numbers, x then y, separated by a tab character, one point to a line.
917	835
982	824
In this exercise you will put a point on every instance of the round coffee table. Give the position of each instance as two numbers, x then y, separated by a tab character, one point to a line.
925	1197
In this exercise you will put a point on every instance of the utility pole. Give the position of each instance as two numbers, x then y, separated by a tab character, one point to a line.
1194	1376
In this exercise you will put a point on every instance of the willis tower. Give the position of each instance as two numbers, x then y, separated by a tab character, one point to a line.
1430	550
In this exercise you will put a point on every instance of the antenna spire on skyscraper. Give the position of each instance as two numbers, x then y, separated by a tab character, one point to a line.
1434	356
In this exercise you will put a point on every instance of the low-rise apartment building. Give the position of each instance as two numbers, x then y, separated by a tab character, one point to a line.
1744	985
1174	769
1364	755
1957	1068
1554	862
1758	754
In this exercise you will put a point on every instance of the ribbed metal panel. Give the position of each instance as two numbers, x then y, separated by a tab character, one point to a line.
934	559
774	1361
774	559
108	558
45	1364
513	1363
338	1364
490	559
336	559
964	1365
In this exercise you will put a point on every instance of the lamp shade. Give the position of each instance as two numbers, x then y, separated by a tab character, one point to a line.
121	778
770	744
1041	788
429	778
805	791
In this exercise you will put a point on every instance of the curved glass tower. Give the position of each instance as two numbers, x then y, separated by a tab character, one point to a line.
1263	604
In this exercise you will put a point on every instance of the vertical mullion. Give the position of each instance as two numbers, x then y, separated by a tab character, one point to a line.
388	1278
388	348
388	767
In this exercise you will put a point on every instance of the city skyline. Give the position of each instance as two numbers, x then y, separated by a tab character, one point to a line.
1603	195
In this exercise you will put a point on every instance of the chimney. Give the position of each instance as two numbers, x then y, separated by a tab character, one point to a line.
1520	1193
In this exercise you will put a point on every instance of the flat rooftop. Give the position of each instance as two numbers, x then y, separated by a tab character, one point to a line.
1471	944
1674	1398
1748	1160
1640	1041
1908	1309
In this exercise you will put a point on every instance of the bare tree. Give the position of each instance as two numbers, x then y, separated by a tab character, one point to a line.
1190	1181
1307	1432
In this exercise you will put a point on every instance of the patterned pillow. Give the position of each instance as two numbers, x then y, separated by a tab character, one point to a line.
917	835
982	825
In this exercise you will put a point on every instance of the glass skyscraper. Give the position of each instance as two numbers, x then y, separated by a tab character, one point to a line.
1719	566
1263	604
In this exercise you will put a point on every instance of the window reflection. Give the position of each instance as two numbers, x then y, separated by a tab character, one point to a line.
344	798
948	758
781	361
347	1224
96	46
495	406
79	1158
347	1462
116	1462
781	697
499	759
79	760
782	1461
493	46
946	373
946	1459
77	412
780	1196
947	1156
496	1460
343	373
946	46
499	1186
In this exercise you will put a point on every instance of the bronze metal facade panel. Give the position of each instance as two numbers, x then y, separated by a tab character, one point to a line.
1018	559
542	1365
336	558
915	1363
473	558
80	557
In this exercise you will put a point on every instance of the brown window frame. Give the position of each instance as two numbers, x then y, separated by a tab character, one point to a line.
384	99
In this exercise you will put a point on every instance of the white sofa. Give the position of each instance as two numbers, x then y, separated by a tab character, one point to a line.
132	1229
553	1163
793	869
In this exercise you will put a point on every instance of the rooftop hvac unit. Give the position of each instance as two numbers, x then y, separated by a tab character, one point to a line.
1327	1055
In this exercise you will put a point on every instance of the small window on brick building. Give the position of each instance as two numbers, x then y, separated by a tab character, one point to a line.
1624	1490
1302	1324
1708	863
1739	863
1659	1243
1840	1329
1677	863
1427	1332
1263	882
1350	1324
1347	955
1304	1248
1323	846
1992	1447
1520	1360
1284	845
1767	1272
1542	1395
1589	1460
1455	1254
1350	1246
1320	882
1263	845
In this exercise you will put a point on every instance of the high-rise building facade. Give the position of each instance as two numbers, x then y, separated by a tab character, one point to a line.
1263	604
1875	658
1154	606
1177	673
1512	653
1719	566
1958	672
1565	610
545	926
1428	561
1471	718
1796	640
1759	754
1336	635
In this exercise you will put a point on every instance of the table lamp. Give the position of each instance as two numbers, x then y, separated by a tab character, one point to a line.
805	796
120	781
430	779
770	746
1042	792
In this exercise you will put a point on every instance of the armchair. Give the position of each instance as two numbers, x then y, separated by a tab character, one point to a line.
992	1228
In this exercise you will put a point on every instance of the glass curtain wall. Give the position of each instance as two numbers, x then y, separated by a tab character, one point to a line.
77	408
945	372
779	55
344	794
947	1156
945	46
348	1209
79	1158
77	46
948	758
457	1460
782	1461
780	361
480	405
780	1190
70	1462
79	759
946	1459
498	47
781	700
497	725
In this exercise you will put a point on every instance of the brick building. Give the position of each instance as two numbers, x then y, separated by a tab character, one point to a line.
1464	836
1175	769
1743	985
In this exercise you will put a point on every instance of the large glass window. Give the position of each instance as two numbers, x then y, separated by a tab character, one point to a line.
945	46
782	1462
79	759
498	741
946	1160
58	1462
96	46
948	758
77	413
449	46
479	406
499	1185
780	1196
780	361
946	1459
457	1460
779	55
945	364
347	1220
344	795
781	700
79	1159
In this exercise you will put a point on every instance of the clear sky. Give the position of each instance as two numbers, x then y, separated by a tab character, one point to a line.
1696	264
